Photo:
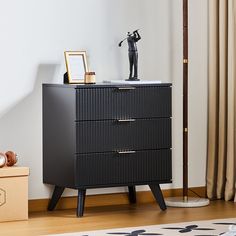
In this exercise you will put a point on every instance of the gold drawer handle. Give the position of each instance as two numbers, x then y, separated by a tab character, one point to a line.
126	152
126	120
126	88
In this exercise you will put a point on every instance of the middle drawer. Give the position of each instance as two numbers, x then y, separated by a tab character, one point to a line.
118	135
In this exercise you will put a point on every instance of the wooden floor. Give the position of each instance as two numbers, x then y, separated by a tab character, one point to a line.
105	217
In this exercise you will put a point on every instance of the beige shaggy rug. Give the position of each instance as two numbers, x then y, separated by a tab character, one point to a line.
196	228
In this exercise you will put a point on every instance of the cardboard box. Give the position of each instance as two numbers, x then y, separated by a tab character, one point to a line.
14	193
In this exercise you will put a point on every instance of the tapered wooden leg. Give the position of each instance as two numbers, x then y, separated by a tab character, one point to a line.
80	202
132	194
55	197
156	191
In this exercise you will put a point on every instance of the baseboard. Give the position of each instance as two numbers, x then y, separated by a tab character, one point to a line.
110	199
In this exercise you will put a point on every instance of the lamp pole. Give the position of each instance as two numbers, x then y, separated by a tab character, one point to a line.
185	200
185	100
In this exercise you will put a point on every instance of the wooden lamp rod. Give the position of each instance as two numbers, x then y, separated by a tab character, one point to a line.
185	200
185	100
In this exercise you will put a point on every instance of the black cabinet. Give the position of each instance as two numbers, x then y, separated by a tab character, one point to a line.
106	135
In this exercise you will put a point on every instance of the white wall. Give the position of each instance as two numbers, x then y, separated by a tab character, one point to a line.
34	35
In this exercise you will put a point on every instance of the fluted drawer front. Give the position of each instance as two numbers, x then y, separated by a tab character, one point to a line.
119	103
116	169
113	135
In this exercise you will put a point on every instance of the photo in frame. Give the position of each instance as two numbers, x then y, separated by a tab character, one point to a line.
76	65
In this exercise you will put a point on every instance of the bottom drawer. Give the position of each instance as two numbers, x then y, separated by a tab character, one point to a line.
111	169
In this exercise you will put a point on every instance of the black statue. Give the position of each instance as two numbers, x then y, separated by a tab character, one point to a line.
133	54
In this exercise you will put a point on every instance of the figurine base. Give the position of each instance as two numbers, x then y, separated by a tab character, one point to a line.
133	79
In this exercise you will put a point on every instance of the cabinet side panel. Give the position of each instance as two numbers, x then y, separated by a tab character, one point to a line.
59	135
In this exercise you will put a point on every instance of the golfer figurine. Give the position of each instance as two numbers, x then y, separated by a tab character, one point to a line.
133	54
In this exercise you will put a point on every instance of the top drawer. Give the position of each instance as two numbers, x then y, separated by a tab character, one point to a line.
123	102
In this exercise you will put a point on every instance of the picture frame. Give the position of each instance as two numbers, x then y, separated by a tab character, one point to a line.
76	65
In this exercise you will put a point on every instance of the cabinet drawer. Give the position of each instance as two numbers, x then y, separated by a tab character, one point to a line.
122	103
113	169
113	135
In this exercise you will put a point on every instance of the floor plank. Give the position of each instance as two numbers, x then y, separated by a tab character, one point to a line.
105	217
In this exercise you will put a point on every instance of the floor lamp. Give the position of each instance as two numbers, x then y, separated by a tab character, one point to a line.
185	200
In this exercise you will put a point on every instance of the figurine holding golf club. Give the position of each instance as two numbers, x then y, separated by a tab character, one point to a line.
133	54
